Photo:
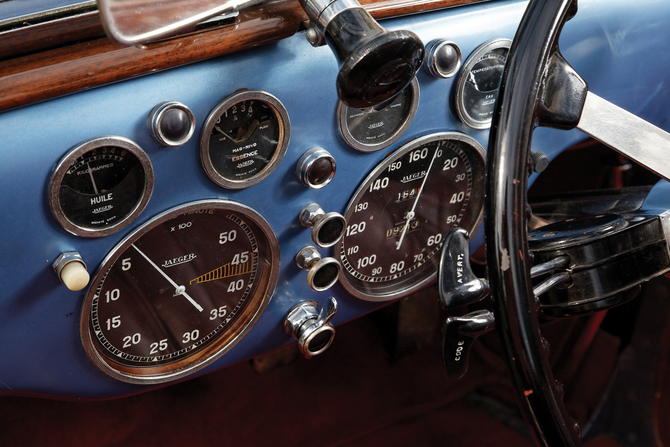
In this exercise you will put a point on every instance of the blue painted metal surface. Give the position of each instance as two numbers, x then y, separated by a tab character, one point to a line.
619	48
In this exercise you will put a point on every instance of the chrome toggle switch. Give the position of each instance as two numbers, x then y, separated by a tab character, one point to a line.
322	273
327	228
312	330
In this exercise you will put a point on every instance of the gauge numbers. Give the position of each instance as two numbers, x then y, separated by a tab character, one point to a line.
478	83
101	186
244	139
402	212
179	292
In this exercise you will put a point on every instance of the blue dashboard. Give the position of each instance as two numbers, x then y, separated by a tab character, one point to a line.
620	48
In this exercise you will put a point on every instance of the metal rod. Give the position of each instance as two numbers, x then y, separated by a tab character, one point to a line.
552	281
556	263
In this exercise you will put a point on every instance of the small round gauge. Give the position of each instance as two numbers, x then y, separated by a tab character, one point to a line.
377	127
101	186
244	139
478	83
179	292
399	216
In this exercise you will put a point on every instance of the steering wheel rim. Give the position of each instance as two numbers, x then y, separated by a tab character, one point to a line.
507	211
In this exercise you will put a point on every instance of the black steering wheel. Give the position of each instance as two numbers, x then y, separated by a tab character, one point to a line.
524	102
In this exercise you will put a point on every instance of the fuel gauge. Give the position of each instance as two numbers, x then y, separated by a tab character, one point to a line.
244	139
101	186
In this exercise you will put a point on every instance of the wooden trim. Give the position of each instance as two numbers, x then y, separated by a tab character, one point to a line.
69	69
52	34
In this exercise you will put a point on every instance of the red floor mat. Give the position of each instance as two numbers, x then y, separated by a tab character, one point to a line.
350	396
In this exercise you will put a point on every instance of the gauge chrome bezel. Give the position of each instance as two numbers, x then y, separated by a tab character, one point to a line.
347	136
461	109
225	341
68	160
284	137
411	287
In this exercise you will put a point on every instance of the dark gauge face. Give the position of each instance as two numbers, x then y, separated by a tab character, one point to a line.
403	211
244	139
101	186
377	127
478	83
179	292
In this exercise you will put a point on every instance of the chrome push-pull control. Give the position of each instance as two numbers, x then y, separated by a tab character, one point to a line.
327	228
316	168
322	274
375	64
312	330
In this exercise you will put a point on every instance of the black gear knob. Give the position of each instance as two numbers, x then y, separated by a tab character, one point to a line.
375	64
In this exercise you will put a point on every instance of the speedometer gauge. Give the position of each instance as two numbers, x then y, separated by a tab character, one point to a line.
179	292
403	211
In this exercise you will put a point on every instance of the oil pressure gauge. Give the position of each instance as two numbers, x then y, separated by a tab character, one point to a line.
101	186
377	127
244	139
478	83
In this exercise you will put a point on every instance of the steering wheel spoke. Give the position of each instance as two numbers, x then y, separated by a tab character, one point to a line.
626	133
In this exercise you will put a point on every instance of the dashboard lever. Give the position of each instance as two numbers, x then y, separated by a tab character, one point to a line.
458	335
457	284
375	64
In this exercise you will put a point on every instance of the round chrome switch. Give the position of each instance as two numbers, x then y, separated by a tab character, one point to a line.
171	123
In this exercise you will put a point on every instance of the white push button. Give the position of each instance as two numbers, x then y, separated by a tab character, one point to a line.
75	276
71	270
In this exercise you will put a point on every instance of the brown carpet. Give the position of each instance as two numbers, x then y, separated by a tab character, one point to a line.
353	395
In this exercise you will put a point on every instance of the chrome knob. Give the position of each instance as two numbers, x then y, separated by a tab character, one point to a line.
171	123
315	168
312	330
327	228
443	58
322	273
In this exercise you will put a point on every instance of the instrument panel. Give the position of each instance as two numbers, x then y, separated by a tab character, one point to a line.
53	329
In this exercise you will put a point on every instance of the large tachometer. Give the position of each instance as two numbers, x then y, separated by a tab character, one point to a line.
180	291
404	209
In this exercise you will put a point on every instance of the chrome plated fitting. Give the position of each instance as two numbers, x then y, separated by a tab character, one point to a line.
312	330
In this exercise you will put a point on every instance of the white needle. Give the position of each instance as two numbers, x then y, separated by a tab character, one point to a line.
179	290
95	188
224	134
410	215
473	81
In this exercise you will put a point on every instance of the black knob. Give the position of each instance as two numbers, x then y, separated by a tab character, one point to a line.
375	64
458	336
457	284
